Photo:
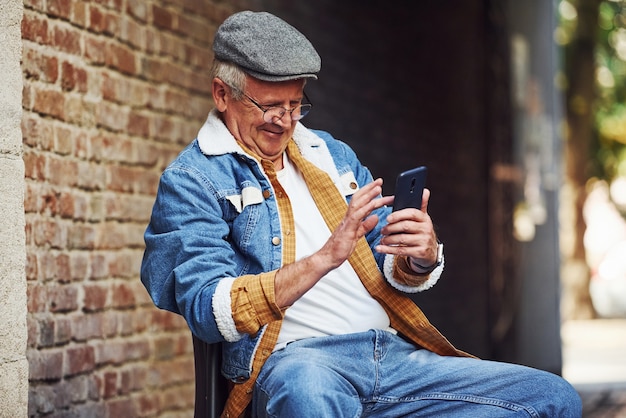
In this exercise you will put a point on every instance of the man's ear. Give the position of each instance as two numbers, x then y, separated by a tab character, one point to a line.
220	91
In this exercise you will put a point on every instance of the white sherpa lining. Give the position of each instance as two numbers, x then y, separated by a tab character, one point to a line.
222	311
214	138
432	279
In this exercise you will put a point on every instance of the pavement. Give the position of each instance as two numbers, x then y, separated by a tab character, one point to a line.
594	362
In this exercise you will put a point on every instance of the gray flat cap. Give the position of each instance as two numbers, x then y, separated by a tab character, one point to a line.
266	47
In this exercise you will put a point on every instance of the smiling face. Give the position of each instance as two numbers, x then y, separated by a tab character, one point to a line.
245	121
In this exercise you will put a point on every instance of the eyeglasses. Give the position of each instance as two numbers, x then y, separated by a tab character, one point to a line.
273	114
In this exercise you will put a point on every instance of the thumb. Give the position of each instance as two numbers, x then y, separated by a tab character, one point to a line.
425	199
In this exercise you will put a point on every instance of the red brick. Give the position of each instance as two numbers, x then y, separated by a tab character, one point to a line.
162	18
110	386
37	132
91	176
109	88
27	96
45	364
123	179
163	348
73	78
121	265
82	237
47	265
125	321
48	202
133	33
32	331
99	266
79	265
95	50
66	205
174	371
80	210
80	360
172	46
148	156
78	389
136	350
138	377
34	165
95	387
63	140
143	298
178	397
63	298
110	4
138	9
39	66
96	19
112	117
63	274
31	266
194	28
121	58
122	407
138	124
122	296
28	232
62	172
112	24
154	69
198	57
46	332
34	4
30	197
183	345
49	233
95	298
79	13
108	147
66	39
37	295
60	8
35	28
81	145
166	321
88	326
63	330
49	102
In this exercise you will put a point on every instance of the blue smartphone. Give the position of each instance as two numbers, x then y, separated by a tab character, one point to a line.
409	188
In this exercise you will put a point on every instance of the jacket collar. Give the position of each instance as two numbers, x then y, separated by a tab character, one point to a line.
214	138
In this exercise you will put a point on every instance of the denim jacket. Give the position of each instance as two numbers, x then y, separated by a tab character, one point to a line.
215	219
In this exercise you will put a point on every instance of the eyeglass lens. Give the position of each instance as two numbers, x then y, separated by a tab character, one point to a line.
274	114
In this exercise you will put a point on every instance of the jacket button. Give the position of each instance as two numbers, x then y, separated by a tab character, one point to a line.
276	241
353	185
266	194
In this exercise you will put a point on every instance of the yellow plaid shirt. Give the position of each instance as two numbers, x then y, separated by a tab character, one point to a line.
253	301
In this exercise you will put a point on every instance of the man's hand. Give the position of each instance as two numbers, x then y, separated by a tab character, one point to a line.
357	221
410	232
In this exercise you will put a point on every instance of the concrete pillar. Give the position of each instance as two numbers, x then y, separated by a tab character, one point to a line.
13	331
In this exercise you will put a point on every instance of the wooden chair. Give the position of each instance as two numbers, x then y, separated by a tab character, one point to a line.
211	386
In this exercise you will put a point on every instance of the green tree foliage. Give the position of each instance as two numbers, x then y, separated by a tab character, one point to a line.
609	105
611	83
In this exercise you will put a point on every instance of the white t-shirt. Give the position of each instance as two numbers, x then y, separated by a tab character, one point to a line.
338	303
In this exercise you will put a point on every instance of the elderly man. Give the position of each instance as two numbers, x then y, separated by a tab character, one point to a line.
274	240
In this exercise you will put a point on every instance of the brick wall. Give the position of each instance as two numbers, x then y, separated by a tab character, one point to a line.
113	89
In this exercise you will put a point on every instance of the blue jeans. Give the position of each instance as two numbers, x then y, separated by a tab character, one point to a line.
379	374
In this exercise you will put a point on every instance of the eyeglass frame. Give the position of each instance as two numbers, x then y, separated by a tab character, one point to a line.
265	109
